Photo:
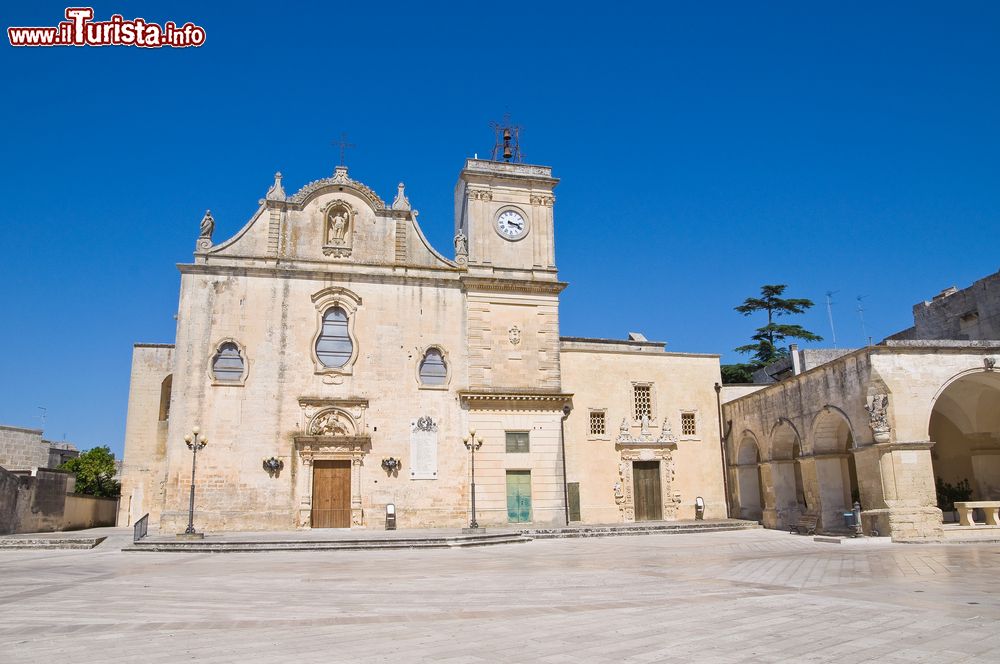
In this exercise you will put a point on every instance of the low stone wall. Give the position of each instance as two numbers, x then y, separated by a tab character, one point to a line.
8	501
44	502
88	512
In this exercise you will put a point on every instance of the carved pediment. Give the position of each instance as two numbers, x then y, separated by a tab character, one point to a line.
334	418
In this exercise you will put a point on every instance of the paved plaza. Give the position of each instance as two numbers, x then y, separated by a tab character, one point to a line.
752	596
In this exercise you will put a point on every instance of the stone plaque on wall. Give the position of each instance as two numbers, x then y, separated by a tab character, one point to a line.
423	449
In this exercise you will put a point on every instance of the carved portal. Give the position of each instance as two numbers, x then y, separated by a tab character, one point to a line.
335	429
645	448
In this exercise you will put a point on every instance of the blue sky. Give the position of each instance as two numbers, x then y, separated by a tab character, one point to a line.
704	149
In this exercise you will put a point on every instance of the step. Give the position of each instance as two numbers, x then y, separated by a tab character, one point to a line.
637	529
250	546
49	542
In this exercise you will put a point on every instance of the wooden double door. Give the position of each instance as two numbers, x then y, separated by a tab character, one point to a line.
331	497
646	485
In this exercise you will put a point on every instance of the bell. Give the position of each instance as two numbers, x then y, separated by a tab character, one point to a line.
506	134
506	152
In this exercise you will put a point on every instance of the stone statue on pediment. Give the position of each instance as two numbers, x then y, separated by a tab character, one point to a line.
207	226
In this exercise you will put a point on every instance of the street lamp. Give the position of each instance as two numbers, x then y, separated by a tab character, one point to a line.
195	441
472	444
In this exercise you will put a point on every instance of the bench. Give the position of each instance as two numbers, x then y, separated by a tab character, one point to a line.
806	525
989	507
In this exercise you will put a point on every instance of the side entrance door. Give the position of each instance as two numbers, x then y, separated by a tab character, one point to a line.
519	496
331	499
646	479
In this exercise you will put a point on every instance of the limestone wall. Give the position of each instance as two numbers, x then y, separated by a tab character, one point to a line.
971	313
149	400
8	501
601	377
22	449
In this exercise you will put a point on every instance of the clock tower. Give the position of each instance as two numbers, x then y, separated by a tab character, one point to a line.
505	211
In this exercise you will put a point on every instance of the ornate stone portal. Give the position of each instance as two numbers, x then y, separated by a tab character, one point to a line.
335	430
645	447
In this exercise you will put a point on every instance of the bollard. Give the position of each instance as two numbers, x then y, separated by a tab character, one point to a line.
858	530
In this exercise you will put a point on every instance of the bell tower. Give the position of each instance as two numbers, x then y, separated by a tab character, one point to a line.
504	209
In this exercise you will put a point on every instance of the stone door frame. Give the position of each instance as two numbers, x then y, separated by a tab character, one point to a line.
327	448
624	491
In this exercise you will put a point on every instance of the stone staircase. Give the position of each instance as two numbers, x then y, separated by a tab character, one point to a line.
648	528
253	544
10	543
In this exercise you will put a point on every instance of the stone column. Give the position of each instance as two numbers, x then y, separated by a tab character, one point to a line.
305	481
357	515
768	496
908	485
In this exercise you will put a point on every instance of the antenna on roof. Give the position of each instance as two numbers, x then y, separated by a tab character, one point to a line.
861	315
829	313
507	140
42	417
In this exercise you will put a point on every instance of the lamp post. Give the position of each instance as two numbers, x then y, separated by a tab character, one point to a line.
472	444
195	441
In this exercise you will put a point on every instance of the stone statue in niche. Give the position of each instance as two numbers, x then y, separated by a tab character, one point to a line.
461	244
338	226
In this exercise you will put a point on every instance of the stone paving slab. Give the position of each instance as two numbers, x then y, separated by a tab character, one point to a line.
742	596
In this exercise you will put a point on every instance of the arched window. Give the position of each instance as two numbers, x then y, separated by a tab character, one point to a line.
228	366
165	388
433	370
334	347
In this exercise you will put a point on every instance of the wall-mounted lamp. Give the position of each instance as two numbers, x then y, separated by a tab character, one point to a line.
273	466
391	465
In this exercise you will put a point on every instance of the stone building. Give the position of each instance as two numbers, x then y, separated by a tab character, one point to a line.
971	313
25	449
880	425
335	362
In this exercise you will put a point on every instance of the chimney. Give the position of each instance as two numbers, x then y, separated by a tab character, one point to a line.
793	350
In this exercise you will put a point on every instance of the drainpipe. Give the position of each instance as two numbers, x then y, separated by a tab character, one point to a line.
562	447
722	446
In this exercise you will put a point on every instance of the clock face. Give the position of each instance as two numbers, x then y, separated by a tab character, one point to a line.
511	225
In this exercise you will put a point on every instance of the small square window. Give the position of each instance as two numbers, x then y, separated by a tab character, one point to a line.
517	442
689	426
643	402
598	423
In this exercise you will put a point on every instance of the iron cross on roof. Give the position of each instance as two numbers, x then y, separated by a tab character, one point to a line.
343	145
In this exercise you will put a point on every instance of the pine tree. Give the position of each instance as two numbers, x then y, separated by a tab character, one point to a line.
767	341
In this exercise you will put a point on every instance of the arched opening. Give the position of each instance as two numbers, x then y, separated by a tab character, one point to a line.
786	474
334	347
836	474
965	428
165	388
748	479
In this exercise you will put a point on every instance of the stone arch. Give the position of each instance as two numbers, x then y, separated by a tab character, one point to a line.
749	487
787	485
833	459
964	424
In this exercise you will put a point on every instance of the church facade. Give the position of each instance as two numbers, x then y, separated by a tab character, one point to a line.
336	363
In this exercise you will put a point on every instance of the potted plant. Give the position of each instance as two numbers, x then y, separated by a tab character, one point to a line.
948	494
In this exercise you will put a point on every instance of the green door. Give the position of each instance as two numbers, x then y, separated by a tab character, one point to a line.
519	496
574	501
